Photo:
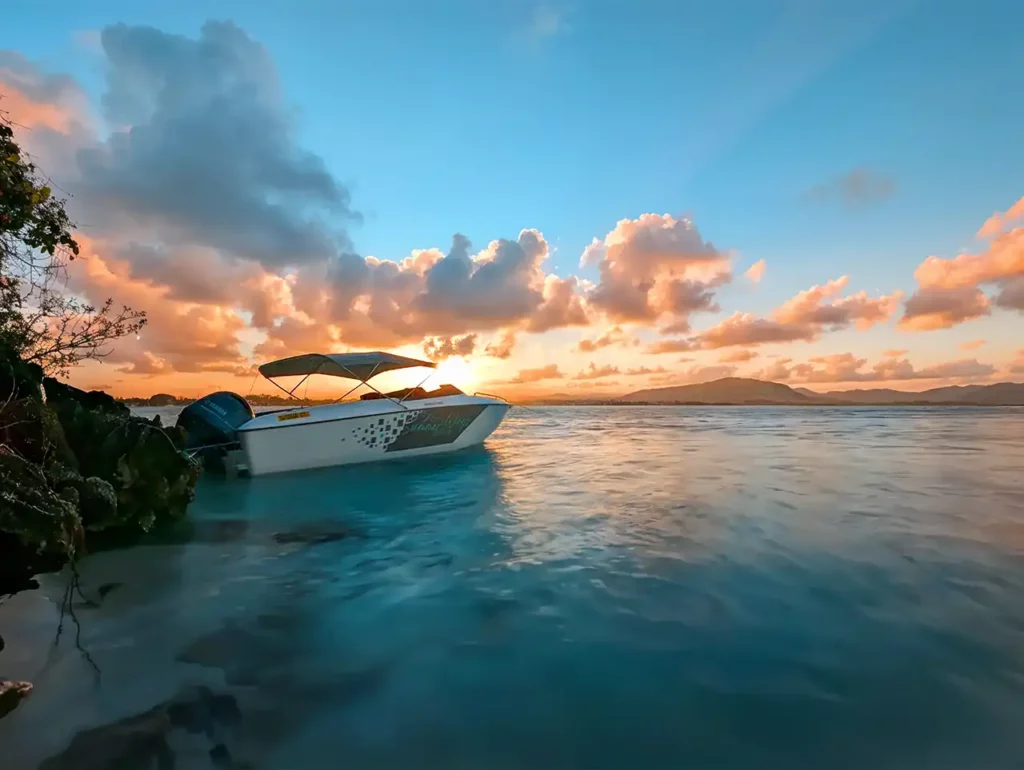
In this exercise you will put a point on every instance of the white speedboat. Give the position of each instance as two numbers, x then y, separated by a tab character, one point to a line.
377	426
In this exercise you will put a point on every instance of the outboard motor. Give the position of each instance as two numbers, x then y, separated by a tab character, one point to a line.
211	425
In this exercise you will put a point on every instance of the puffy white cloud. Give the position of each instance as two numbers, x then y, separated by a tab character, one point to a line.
655	267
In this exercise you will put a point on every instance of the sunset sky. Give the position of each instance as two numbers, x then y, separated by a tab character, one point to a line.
587	197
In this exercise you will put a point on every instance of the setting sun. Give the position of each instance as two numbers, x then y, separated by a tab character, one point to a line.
456	371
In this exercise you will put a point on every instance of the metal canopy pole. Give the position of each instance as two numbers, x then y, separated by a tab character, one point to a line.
371	387
429	375
292	391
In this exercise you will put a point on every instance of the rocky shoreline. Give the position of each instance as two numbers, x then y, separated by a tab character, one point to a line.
74	464
76	468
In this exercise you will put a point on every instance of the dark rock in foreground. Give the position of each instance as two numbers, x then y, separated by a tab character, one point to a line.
11	695
78	462
140	741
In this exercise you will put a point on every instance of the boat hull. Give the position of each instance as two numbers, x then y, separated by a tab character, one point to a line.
369	431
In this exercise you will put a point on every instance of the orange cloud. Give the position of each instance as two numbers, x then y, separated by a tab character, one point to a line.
749	329
670	346
999	221
755	272
1004	258
809	307
34	99
29	114
560	307
776	371
291	335
1017	367
613	336
179	336
594	372
502	346
440	348
894	353
949	290
972	344
549	372
941	308
846	367
641	371
653	267
737	356
800	319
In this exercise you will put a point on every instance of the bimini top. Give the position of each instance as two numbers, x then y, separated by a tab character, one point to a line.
354	366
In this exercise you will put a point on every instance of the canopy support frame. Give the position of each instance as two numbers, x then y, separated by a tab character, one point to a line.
352	375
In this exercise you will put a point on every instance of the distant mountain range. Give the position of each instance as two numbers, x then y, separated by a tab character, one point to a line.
732	391
740	390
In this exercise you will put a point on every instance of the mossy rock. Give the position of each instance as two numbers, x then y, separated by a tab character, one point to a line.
81	461
42	518
31	429
98	504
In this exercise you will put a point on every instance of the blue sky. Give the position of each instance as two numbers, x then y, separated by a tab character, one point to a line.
489	117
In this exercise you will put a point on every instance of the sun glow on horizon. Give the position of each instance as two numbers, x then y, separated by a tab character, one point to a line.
456	371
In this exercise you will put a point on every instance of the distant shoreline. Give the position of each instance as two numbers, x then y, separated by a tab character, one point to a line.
727	391
802	405
141	402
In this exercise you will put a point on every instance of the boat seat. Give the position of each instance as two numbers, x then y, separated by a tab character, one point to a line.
414	394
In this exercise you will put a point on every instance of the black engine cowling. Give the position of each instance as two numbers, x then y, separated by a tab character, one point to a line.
213	420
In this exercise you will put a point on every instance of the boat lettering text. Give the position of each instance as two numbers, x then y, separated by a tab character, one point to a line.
292	416
452	423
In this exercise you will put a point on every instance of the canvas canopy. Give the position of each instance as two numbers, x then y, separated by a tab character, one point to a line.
353	366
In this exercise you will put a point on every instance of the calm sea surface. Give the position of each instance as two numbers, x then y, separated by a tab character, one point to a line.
622	588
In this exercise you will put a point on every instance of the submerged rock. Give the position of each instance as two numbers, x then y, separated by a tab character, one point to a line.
12	694
106	588
139	741
310	536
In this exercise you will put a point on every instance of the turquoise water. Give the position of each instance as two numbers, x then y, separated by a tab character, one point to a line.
636	587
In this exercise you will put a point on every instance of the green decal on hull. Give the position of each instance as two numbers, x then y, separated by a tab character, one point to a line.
432	427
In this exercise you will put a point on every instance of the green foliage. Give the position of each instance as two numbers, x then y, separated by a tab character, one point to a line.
76	461
31	217
40	322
